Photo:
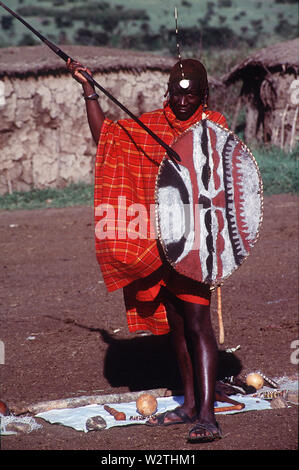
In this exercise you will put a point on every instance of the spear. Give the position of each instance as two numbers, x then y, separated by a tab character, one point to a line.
170	152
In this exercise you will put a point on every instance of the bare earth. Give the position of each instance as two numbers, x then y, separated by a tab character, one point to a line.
51	288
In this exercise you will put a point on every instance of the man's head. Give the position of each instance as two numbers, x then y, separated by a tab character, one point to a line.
188	88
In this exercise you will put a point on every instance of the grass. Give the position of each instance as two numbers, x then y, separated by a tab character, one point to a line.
73	195
279	171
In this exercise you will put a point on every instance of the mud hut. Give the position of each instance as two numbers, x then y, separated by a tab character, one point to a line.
44	135
270	93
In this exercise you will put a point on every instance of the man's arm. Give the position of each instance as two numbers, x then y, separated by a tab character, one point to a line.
94	111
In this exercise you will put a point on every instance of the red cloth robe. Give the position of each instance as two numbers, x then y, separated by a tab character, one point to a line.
127	163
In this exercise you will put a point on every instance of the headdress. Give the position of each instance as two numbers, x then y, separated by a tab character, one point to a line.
188	69
184	83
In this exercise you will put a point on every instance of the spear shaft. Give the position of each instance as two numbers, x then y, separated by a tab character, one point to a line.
170	152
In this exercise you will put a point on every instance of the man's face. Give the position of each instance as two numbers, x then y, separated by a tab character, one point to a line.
184	101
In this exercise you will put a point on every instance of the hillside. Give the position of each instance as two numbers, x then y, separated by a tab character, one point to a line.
149	24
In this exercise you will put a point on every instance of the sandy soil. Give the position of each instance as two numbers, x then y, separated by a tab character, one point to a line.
51	289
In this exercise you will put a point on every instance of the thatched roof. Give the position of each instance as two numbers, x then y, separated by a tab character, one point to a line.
40	60
283	57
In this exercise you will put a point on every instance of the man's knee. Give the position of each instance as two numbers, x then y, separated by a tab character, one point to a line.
197	320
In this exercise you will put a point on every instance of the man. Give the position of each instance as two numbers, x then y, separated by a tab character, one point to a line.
157	298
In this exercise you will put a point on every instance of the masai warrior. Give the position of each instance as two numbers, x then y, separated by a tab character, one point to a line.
157	298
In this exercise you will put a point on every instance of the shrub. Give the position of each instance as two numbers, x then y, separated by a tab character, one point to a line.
213	36
286	1
84	36
6	22
63	21
225	3
100	39
28	40
285	29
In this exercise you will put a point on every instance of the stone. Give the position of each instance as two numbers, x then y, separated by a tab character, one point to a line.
18	427
95	423
278	402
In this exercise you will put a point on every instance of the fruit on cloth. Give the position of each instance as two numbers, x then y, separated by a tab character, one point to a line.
146	404
255	380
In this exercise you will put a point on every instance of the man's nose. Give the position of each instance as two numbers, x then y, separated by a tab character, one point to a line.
183	100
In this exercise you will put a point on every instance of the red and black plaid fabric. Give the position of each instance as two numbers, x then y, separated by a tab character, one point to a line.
126	168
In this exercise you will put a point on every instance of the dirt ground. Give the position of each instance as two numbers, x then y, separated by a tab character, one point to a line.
51	289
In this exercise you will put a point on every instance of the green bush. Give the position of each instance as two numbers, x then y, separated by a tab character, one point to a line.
285	29
225	3
63	21
35	11
6	22
28	40
84	36
286	1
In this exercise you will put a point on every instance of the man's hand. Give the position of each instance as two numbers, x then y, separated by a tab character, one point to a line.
75	67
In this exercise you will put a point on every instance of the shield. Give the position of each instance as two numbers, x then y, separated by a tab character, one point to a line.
208	214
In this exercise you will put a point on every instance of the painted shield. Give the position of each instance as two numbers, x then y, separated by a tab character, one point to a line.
208	214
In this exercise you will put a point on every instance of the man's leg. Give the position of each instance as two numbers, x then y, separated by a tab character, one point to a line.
176	322
205	356
177	325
